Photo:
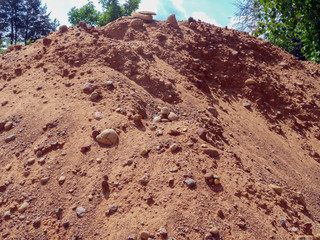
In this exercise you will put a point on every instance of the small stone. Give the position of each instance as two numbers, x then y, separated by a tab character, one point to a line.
37	223
173	21
247	105
173	117
44	180
90	197
165	111
144	235
2	123
214	231
110	85
202	133
3	187
98	115
136	23
144	180
163	232
190	183
157	119
58	213
99	160
283	222
42	160
276	188
63	28
107	137
8	125
80	211
208	177
144	152
95	96
65	224
7	215
31	161
174	147
89	87
112	209
10	138
137	117
83	24
46	41
213	111
61	180
249	82
23	207
211	152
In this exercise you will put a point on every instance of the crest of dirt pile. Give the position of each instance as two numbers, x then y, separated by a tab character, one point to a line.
141	130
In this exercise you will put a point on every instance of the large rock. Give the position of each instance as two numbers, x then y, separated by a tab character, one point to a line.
142	16
136	23
211	152
147	13
107	137
173	21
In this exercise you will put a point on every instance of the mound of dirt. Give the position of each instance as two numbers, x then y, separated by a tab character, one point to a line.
141	130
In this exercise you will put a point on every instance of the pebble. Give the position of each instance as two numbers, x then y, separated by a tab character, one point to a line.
107	137
95	96
144	235
7	215
8	125
190	183
112	209
31	161
247	105
165	111
23	207
44	180
276	188
3	187
61	180
80	211
173	21
137	117
98	115
10	138
163	232
211	152
63	28
173	117
144	180
174	147
42	160
157	119
37	223
208	176
249	82
213	111
89	87
214	231
202	133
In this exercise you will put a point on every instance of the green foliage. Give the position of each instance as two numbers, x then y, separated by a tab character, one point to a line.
112	10
21	20
87	13
293	25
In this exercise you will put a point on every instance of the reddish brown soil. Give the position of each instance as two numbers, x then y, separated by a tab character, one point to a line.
189	70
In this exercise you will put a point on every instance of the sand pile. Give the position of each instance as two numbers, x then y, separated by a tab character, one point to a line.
145	130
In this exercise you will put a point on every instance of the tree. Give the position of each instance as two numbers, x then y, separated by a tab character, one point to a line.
23	20
293	25
112	10
87	13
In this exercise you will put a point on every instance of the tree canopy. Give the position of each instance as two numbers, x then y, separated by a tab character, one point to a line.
293	25
24	20
112	10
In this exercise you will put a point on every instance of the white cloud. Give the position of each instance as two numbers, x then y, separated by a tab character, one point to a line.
204	17
147	5
178	5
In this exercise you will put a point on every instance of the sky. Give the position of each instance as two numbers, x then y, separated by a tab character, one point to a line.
217	12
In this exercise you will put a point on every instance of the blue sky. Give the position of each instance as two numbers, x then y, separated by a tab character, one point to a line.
217	12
